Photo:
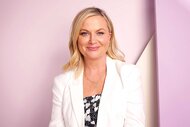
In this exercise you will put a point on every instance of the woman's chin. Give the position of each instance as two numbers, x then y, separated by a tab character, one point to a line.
94	56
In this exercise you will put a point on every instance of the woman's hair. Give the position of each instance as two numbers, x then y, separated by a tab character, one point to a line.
76	59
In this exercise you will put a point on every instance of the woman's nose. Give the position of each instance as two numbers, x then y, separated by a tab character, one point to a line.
92	39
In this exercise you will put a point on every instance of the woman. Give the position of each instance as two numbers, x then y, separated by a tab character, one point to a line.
97	87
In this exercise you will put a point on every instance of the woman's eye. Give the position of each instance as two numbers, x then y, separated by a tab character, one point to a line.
84	33
100	33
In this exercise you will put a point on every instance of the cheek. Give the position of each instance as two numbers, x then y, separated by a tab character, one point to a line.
107	45
82	41
106	42
81	45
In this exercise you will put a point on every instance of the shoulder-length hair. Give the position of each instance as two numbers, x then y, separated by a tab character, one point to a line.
76	60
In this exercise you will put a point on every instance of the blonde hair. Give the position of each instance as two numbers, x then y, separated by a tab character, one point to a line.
76	60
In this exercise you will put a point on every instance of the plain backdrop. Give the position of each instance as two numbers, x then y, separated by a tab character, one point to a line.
173	49
34	46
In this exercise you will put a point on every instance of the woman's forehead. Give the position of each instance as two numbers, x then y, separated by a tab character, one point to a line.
97	22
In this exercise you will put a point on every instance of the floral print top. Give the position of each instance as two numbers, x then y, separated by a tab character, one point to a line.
91	105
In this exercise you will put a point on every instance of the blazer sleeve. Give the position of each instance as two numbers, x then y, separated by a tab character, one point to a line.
56	116
134	116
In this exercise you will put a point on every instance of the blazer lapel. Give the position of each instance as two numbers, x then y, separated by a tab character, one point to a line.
76	89
111	85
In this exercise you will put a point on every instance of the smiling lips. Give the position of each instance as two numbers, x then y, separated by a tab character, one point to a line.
93	48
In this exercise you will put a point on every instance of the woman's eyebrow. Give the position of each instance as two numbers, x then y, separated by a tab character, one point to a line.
101	29
96	30
83	30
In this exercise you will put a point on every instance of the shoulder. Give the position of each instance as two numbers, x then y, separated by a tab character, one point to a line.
126	69
61	80
63	77
129	73
123	68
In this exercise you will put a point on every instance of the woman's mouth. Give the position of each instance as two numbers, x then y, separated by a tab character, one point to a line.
93	48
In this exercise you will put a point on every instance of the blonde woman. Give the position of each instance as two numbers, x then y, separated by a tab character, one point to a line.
97	88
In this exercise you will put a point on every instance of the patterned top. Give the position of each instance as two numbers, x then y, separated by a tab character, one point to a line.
91	105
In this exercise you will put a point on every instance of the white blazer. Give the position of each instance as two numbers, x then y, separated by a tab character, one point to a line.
121	103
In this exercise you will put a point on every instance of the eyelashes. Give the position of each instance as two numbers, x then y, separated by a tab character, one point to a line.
84	34
100	33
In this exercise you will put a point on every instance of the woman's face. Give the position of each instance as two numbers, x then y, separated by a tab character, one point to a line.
94	38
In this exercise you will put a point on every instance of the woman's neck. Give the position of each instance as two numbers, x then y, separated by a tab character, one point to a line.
95	66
